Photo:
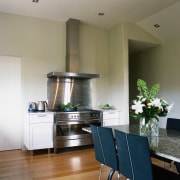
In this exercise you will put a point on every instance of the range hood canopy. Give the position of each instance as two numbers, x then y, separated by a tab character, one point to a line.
72	53
72	75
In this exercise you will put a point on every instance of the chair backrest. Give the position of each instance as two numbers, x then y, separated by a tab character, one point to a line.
125	165
104	146
140	157
173	123
134	156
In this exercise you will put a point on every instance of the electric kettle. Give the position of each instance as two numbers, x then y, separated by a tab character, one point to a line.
42	106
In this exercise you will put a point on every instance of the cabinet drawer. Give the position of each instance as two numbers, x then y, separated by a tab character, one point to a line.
42	118
111	122
110	114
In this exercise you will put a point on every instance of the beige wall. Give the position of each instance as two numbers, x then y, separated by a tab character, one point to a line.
119	64
40	43
161	65
42	46
94	59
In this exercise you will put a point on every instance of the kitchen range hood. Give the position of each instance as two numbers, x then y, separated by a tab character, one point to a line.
71	74
72	54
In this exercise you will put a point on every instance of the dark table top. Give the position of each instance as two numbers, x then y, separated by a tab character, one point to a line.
166	145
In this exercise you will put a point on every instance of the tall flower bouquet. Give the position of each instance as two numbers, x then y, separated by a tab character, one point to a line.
148	107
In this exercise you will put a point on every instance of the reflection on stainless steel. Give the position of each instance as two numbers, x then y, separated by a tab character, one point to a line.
68	91
65	90
72	75
68	128
55	94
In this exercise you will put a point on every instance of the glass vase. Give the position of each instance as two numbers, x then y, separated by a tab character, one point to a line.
150	128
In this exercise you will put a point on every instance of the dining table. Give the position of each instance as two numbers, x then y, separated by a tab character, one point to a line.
166	144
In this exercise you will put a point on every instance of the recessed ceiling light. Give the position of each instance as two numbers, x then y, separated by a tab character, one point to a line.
156	25
35	1
101	14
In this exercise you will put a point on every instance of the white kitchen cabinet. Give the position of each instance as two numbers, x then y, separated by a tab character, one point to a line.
111	117
38	131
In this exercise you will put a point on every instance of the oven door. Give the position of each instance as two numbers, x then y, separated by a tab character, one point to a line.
70	133
73	129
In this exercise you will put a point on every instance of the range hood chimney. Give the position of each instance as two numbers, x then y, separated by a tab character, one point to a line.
72	45
72	54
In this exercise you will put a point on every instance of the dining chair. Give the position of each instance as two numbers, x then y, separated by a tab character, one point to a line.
134	156
105	150
135	159
174	124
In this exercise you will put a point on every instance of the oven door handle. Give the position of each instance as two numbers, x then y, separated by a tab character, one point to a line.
71	122
78	122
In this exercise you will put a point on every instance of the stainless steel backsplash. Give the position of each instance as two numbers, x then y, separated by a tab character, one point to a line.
68	89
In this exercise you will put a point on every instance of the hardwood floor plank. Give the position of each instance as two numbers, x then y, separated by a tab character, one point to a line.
18	164
68	164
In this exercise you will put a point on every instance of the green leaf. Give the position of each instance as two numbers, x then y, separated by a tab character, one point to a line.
154	91
145	92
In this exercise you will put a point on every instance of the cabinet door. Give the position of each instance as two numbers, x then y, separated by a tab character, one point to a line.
41	136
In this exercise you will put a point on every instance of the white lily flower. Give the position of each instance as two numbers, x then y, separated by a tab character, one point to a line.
137	107
157	103
164	102
139	97
170	107
143	100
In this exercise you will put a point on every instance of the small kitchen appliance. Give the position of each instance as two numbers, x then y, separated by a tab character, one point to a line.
41	106
32	107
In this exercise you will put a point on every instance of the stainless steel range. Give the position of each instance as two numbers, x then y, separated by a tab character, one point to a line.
68	128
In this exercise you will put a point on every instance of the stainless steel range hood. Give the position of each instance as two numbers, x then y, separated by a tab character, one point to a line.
72	53
71	74
72	45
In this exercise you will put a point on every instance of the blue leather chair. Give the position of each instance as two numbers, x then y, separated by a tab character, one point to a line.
134	156
174	124
104	147
135	160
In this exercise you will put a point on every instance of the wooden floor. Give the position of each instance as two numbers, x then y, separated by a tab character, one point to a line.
68	164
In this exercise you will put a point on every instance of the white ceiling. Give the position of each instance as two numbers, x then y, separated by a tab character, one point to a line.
145	13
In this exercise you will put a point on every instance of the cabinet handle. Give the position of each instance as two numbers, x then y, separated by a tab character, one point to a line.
42	115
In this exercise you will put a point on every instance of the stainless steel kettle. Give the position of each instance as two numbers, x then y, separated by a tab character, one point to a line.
42	106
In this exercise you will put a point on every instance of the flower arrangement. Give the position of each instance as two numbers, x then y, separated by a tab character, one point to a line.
148	105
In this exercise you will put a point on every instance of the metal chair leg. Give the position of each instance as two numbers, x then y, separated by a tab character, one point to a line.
111	174
100	171
177	167
118	176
